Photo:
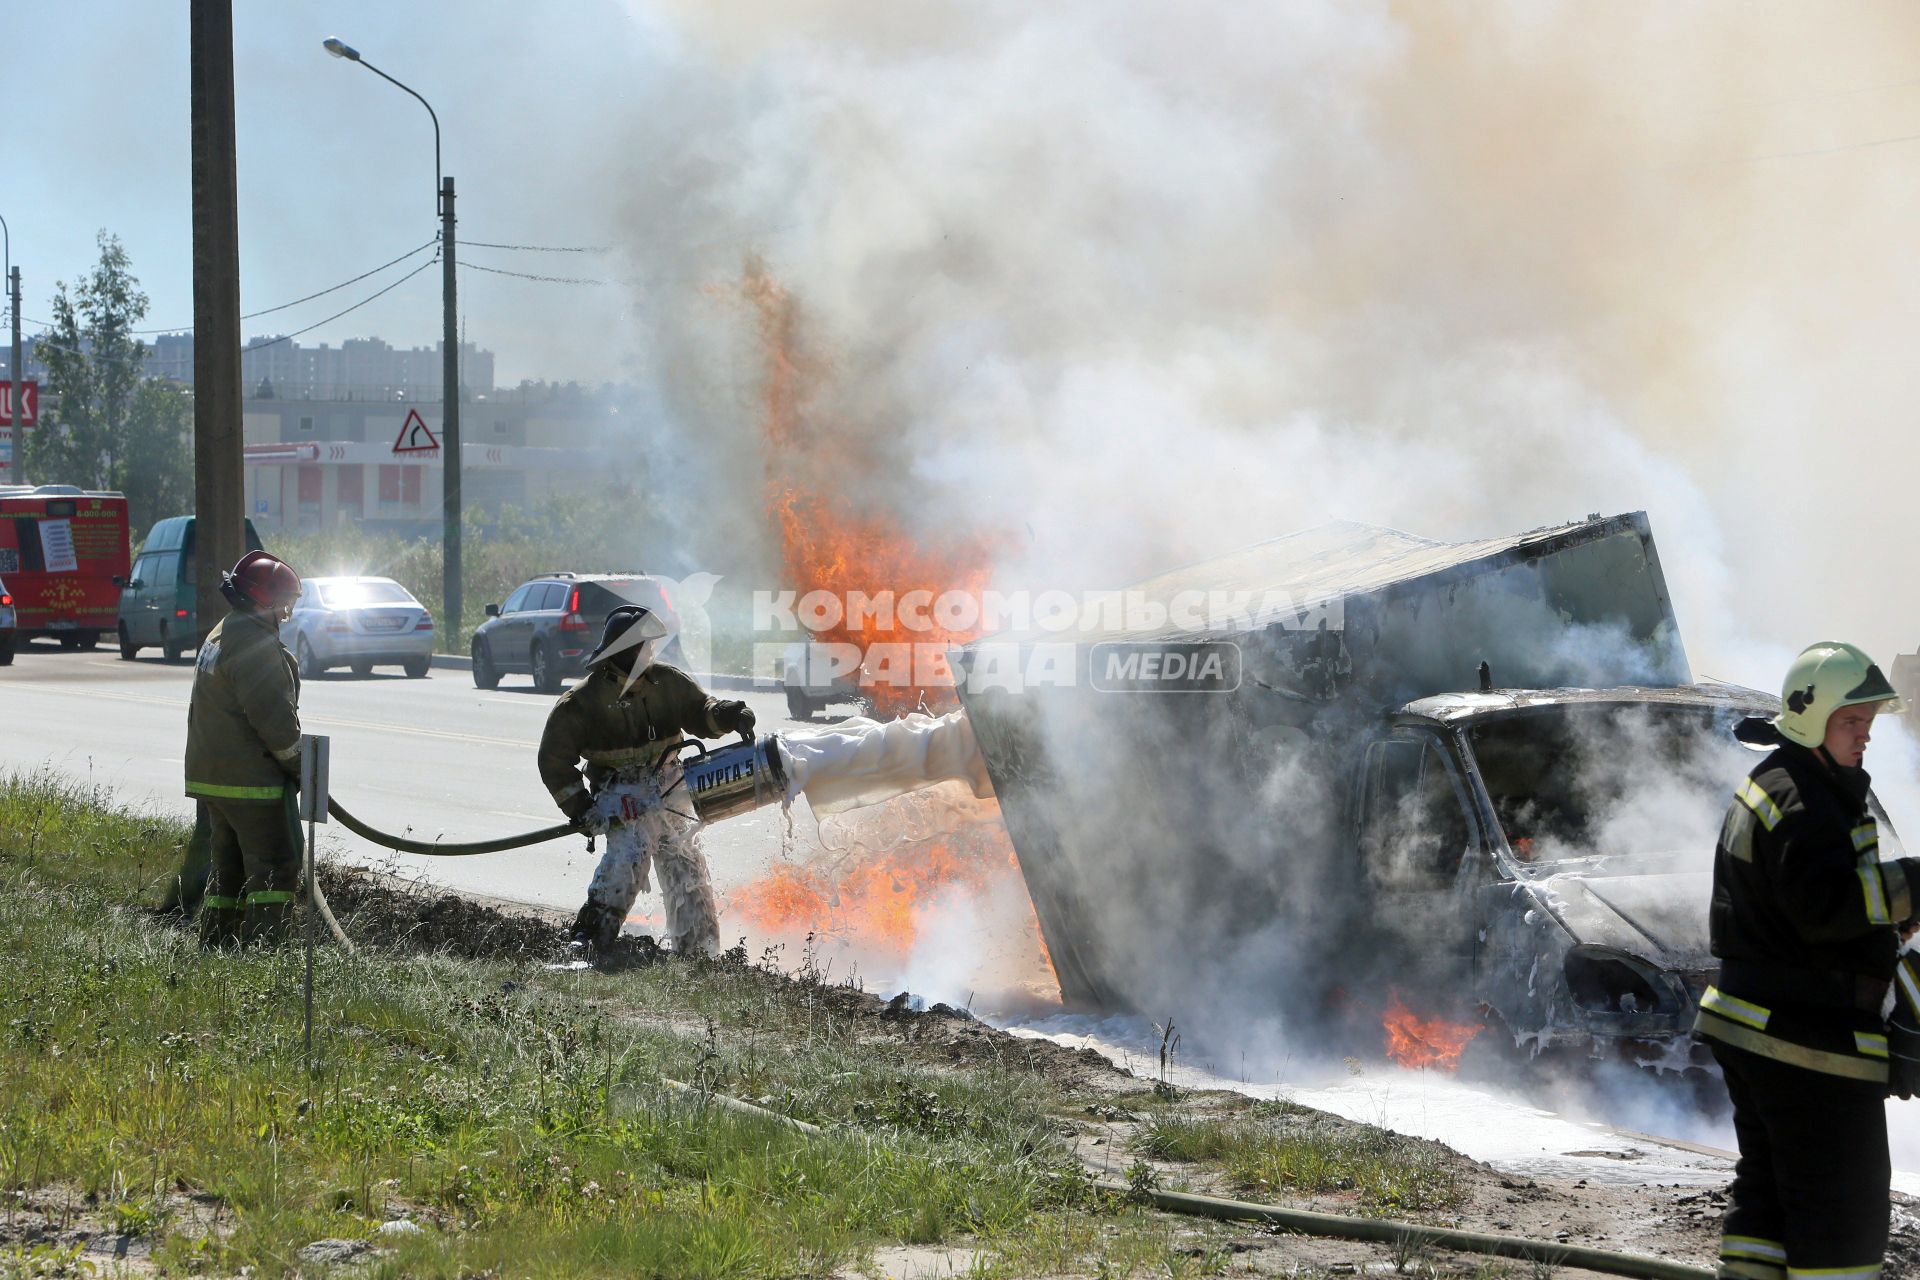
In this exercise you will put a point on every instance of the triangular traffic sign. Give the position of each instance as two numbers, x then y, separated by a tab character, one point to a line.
416	436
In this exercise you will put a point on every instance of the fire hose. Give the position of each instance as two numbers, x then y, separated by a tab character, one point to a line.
437	849
1334	1225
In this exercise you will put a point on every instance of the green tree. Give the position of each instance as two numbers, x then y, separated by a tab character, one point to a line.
93	366
154	466
104	426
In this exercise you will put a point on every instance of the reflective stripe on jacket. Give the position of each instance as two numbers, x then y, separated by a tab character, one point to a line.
596	723
243	723
1805	919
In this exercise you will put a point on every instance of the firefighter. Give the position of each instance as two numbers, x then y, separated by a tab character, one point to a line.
1806	920
243	756
624	720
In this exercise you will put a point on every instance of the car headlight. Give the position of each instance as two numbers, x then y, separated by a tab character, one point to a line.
1603	980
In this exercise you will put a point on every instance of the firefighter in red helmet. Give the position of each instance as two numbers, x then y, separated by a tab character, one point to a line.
243	756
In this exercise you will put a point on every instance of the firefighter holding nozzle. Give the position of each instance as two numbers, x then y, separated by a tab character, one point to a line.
1807	921
625	721
243	756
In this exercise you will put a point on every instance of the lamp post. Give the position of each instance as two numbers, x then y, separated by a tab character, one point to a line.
450	361
14	369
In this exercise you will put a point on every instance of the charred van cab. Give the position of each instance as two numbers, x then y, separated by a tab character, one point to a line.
1480	776
1565	838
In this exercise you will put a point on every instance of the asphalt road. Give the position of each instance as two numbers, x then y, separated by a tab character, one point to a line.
434	758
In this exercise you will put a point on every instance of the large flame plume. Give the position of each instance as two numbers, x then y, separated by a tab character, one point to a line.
827	546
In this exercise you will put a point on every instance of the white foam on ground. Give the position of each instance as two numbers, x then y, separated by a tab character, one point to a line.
1509	1134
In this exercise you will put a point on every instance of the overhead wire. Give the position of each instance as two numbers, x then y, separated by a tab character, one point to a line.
40	338
187	328
524	275
288	337
539	248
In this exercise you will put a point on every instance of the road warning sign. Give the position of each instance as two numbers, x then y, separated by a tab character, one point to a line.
415	436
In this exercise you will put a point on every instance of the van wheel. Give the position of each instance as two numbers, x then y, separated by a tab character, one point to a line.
128	649
485	674
798	707
6	652
546	673
416	668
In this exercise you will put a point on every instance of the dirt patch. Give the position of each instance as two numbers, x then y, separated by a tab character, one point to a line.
400	915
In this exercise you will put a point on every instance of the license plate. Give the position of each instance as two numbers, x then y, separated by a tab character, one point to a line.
382	624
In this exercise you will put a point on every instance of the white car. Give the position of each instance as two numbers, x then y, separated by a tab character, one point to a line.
8	619
359	623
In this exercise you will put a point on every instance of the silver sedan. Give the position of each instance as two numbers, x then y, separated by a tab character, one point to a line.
359	623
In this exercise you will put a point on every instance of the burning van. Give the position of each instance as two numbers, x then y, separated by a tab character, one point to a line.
1476	779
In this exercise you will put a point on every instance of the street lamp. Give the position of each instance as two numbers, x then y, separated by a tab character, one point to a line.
450	357
15	370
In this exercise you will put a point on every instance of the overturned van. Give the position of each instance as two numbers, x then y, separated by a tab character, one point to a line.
1478	775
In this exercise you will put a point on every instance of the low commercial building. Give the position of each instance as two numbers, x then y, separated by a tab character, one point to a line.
313	464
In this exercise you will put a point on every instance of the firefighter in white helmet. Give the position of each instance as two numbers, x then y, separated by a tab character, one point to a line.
1806	920
623	721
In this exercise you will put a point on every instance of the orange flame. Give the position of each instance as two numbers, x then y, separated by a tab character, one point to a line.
1413	1041
874	897
824	546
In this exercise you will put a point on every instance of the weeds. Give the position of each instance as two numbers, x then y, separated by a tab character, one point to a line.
1387	1172
471	1097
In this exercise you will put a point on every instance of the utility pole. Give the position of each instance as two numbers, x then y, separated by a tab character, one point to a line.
18	373
218	472
450	424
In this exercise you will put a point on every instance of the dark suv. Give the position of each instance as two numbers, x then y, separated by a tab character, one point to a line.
550	624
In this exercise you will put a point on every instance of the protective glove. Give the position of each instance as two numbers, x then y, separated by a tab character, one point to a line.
578	808
734	717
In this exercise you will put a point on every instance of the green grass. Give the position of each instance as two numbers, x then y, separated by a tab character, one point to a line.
1278	1148
516	1114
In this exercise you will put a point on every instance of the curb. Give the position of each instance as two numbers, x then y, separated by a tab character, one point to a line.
752	684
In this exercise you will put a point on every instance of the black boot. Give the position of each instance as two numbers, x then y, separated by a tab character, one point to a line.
593	931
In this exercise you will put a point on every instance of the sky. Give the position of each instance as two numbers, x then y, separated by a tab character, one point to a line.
1111	285
335	166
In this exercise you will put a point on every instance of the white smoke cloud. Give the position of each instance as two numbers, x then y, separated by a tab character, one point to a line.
1159	280
1124	285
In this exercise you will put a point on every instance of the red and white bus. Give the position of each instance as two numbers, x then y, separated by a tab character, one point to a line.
63	553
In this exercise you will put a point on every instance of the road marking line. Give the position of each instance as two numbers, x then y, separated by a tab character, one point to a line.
342	721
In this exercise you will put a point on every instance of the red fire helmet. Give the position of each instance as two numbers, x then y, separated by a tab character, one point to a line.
265	579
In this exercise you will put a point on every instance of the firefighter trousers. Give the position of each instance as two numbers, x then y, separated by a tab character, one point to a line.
1810	1192
253	872
650	822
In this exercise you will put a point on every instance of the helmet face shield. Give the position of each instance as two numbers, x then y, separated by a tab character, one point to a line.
1824	678
632	640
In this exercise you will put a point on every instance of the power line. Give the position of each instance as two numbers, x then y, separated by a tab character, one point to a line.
522	275
538	248
187	328
1828	151
40	340
288	337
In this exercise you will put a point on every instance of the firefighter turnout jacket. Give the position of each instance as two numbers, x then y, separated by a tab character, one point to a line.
1805	919
243	723
596	722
